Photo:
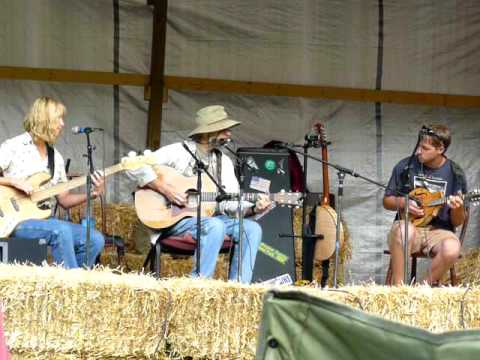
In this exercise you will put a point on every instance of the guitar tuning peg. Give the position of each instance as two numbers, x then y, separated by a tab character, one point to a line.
132	154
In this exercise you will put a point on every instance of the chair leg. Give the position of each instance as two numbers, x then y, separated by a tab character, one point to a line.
413	273
453	276
388	279
158	251
148	260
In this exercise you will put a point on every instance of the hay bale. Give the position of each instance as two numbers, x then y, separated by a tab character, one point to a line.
170	265
434	309
344	255
57	313
218	320
221	320
120	219
77	312
467	268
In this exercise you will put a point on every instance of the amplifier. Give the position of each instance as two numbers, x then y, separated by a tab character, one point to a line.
23	250
269	171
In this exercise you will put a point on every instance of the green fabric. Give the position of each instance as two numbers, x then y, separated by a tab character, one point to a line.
301	327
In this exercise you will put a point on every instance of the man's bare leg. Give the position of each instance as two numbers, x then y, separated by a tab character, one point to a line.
444	256
396	249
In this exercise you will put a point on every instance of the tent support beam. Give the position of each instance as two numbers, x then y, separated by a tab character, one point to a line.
242	87
157	68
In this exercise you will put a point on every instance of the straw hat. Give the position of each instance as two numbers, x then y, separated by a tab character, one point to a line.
211	119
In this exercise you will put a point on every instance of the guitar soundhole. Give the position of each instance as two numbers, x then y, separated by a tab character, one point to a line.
192	198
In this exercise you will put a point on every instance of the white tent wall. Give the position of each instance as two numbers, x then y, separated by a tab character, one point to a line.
429	46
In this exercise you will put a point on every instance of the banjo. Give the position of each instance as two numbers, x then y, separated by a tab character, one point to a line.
325	215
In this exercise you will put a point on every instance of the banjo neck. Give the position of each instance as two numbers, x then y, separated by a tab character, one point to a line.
326	181
320	129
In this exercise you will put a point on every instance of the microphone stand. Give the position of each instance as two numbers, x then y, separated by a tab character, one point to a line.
88	220
342	171
306	235
308	239
241	168
423	132
201	168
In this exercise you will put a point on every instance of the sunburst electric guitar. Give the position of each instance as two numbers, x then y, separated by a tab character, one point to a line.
155	211
16	206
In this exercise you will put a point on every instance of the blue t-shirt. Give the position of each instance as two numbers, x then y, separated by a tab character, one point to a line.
443	179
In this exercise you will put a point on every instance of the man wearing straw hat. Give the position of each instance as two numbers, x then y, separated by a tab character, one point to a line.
213	128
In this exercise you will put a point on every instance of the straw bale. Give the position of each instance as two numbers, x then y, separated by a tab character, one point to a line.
434	309
58	356
120	219
344	255
53	313
221	320
217	320
467	268
170	265
78	312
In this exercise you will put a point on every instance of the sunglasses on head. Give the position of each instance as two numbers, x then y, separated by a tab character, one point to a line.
428	131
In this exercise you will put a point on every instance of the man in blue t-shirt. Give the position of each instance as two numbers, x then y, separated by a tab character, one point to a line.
432	170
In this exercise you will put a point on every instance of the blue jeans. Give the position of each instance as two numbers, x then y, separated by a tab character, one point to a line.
66	239
214	230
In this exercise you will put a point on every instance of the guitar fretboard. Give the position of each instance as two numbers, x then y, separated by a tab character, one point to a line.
466	199
212	196
69	185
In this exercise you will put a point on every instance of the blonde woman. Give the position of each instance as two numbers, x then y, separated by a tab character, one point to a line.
33	152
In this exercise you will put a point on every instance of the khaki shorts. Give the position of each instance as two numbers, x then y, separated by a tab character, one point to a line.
425	239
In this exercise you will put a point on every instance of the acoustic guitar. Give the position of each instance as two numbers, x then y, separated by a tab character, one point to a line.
325	215
16	206
431	203
157	212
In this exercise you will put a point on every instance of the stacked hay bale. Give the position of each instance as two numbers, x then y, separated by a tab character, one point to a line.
345	253
467	268
57	313
90	314
121	220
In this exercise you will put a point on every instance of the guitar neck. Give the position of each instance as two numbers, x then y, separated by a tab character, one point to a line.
252	197
326	182
444	199
69	185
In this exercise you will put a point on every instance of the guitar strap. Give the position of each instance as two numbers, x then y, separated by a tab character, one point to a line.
51	159
218	155
218	158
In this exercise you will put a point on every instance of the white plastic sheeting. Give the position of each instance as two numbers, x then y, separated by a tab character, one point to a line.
427	46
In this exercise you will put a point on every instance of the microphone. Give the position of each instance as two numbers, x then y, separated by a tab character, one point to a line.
223	197
312	136
84	130
219	142
224	142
